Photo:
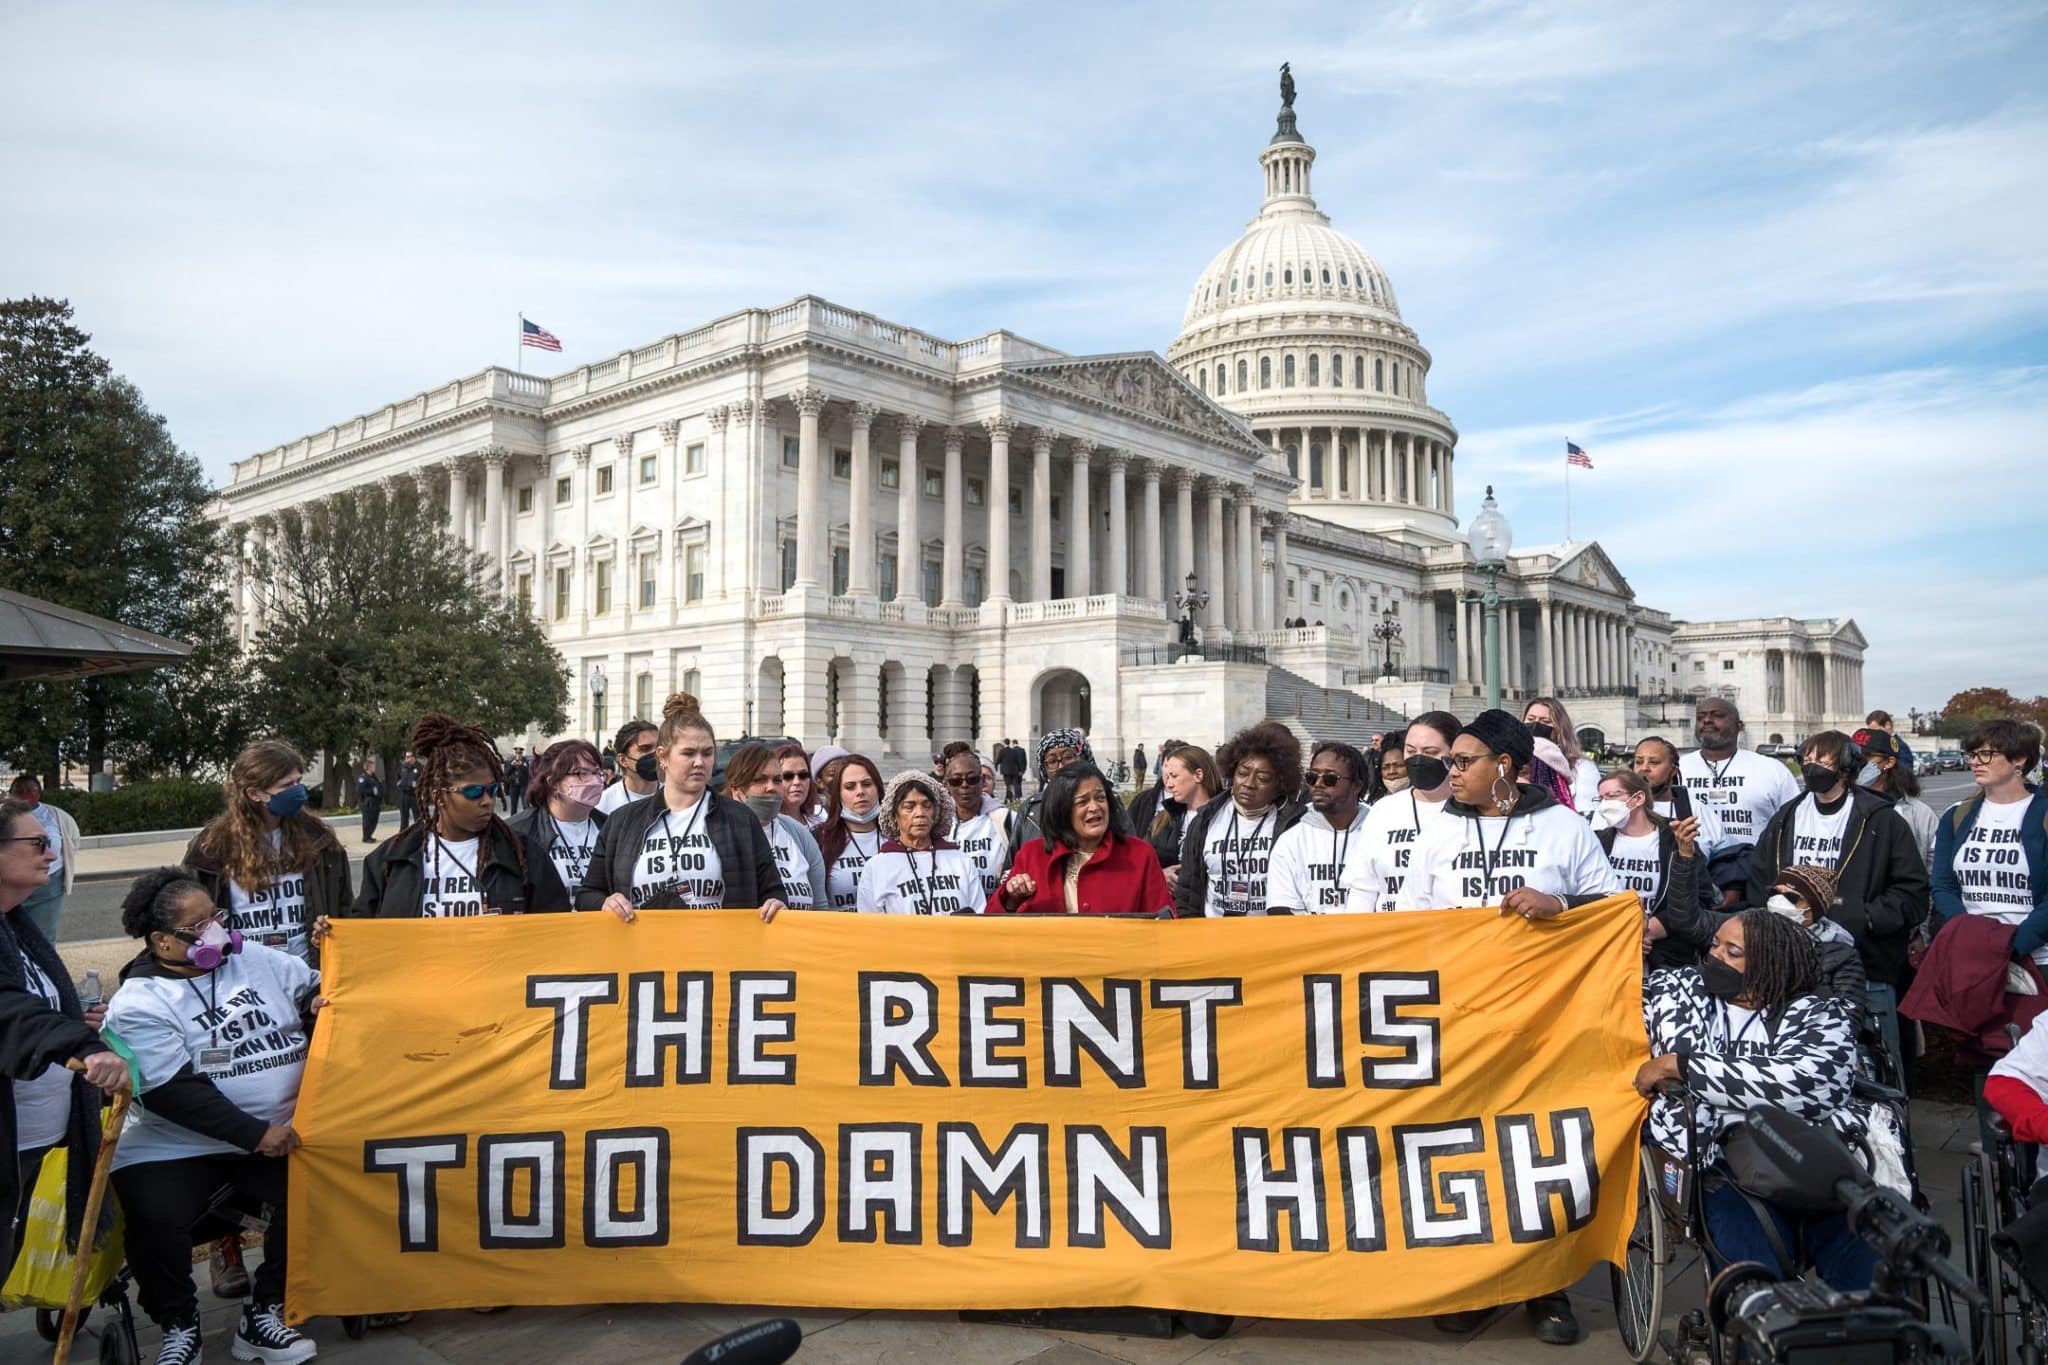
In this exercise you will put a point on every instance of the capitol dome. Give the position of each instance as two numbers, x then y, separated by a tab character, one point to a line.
1295	328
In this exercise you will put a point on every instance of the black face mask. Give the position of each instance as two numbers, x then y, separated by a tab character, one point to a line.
1722	981
1541	731
646	768
1426	774
1819	778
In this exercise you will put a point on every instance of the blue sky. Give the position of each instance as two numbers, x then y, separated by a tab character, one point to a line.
1781	268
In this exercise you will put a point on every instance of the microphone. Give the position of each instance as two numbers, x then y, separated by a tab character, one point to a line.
762	1343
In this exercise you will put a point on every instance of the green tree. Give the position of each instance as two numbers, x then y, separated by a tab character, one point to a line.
102	512
1972	706
378	615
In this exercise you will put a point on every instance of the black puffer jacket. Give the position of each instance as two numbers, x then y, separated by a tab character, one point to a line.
1685	900
1191	897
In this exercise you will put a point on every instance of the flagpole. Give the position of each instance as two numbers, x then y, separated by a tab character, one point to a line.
518	341
1567	495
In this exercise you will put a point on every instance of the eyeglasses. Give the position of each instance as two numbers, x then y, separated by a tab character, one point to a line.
965	780
1460	762
1325	778
41	841
477	791
585	772
1976	756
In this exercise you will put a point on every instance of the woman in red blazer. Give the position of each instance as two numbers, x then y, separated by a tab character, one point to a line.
1088	863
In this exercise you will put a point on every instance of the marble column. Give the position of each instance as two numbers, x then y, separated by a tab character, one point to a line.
953	553
1080	524
1546	649
1511	636
998	571
494	461
1041	516
811	537
458	502
1278	521
1426	640
1117	567
1215	578
860	519
1151	538
1247	561
909	493
1184	528
579	554
1461	654
1419	475
1450	493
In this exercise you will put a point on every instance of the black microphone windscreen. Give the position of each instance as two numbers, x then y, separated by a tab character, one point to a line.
1816	1153
762	1343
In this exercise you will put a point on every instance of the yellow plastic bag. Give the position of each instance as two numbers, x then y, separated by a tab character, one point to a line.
42	1272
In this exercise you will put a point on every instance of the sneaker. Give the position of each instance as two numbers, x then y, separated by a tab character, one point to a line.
230	1276
1553	1320
181	1344
262	1335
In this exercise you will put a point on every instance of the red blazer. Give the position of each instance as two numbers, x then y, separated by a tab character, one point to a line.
1123	876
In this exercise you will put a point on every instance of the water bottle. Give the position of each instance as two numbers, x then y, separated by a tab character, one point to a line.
90	993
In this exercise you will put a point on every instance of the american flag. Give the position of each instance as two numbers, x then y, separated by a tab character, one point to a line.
533	334
1574	455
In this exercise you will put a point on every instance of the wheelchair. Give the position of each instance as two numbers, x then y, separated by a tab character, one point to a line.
1670	1238
1997	1190
226	1215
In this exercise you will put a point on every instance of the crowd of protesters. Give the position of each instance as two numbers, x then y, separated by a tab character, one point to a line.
1784	916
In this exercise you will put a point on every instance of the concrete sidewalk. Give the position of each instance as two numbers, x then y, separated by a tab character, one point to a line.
1942	1134
103	856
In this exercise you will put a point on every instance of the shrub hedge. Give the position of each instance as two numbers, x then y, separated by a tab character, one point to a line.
168	803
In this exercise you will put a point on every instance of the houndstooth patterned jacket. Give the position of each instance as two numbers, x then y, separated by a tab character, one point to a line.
1806	1064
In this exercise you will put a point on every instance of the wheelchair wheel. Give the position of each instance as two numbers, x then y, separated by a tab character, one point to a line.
1638	1283
118	1348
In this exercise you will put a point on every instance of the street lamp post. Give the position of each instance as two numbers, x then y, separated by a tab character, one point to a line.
1491	538
1386	634
1186	603
597	685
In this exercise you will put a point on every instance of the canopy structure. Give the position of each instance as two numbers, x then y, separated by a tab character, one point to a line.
40	639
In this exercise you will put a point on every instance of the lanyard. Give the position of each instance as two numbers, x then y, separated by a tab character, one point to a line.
563	843
1717	774
440	887
1493	858
1230	837
865	853
212	1005
675	841
924	895
1747	1025
1339	849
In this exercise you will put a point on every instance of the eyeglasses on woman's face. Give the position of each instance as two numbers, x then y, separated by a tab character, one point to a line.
478	791
39	842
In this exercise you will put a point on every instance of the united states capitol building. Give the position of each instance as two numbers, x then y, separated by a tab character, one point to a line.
838	527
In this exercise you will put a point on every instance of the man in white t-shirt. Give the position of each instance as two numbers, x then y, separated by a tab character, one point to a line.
1742	788
639	774
1312	861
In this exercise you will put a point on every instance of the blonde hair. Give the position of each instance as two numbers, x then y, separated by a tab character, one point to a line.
1567	736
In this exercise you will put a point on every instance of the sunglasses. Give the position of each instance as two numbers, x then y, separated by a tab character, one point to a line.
477	791
41	841
1325	779
964	781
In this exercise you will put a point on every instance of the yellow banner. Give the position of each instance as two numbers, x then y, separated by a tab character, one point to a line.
1337	1116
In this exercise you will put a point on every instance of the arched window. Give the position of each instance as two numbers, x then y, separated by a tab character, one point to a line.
1233	284
1287	371
1326	274
1343	277
1265	372
1343	472
1202	377
1358	372
1294	461
1315	370
1397	377
1287	276
1336	371
1221	373
1315	464
1269	279
1379	375
1243	379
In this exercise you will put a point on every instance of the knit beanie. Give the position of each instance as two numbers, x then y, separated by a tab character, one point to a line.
1815	885
1502	733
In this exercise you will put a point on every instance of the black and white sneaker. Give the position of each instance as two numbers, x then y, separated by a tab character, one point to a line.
181	1344
262	1335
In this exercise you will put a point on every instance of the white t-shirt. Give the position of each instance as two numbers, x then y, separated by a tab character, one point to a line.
1710	837
937	881
1312	863
844	878
1745	790
981	839
1392	830
1468	860
791	864
569	847
1991	867
678	863
1236	853
1637	864
618	794
46	816
1585	785
450	888
276	915
237	1025
42	1104
1816	835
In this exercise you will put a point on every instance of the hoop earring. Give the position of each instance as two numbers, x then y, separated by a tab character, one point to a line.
1505	802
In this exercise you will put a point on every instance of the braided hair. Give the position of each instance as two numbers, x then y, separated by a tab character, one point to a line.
448	748
1781	960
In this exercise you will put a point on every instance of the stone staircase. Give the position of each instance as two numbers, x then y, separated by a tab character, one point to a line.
1316	713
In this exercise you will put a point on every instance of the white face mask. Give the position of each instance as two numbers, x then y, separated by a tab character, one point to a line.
1781	904
1610	814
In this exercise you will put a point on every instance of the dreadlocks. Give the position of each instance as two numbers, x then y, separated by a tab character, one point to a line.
447	749
1780	960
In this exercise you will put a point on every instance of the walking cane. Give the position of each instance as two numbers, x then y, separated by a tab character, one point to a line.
82	1262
